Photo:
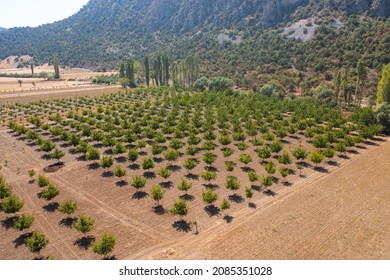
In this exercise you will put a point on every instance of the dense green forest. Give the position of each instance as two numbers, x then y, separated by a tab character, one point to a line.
252	53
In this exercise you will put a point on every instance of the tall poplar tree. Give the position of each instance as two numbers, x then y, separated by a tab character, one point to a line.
361	72
122	71
383	94
56	67
147	73
337	84
344	87
130	72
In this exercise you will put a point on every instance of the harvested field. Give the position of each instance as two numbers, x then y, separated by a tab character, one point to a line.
343	215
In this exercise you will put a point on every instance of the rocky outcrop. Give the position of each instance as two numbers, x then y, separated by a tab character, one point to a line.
378	8
184	15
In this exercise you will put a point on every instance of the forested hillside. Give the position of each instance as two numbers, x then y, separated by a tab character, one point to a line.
246	40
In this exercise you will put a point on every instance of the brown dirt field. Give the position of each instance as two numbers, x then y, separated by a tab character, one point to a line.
325	216
343	215
83	90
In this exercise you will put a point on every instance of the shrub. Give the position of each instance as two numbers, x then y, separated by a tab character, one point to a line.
220	84
284	158
11	204
232	183
147	163
105	246
316	157
270	167
209	196
383	116
43	181
201	84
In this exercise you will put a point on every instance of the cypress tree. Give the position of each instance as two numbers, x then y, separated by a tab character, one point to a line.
160	72
344	87
130	72
122	71
32	68
361	71
147	74
56	67
337	83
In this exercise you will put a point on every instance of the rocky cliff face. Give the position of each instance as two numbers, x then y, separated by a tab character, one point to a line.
378	8
185	15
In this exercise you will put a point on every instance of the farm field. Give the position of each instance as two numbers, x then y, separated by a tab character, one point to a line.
74	81
262	178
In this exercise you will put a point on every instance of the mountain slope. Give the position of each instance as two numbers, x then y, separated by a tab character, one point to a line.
105	32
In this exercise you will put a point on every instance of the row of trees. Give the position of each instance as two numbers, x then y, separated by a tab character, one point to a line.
180	73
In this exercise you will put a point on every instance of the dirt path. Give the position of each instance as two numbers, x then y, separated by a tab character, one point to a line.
343	215
60	93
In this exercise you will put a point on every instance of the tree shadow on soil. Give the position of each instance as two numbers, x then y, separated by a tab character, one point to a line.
107	174
252	205
93	166
134	166
211	186
20	241
51	207
182	226
192	176
212	210
256	188
46	157
84	242
270	193
247	169
158	159
333	163
174	168
361	147
287	184
344	156
121	184
304	164
9	222
67	222
149	175
236	198
166	185
81	158
159	210
187	197
211	168
120	159
296	137
139	195
321	169
228	219
109	258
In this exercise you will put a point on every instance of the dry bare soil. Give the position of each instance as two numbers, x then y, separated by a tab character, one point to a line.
342	214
